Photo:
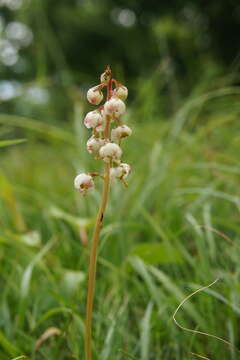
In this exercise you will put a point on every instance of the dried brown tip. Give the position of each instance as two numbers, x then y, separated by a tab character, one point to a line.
197	331
199	356
108	70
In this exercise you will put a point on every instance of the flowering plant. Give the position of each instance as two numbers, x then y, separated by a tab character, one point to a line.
105	144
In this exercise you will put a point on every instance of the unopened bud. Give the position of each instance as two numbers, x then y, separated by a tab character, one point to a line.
94	95
115	106
93	119
94	144
121	92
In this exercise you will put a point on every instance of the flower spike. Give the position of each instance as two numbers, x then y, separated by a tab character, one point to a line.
104	144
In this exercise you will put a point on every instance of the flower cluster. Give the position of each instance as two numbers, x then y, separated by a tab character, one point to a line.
107	130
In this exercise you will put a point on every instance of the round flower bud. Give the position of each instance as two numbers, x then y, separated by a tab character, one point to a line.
94	95
94	144
120	172
121	92
115	106
115	173
110	151
93	119
83	183
120	132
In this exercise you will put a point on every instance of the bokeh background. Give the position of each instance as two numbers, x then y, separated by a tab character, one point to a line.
173	230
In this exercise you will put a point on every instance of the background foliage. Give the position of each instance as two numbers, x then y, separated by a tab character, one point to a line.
180	60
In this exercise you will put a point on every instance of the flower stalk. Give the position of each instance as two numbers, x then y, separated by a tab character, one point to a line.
109	151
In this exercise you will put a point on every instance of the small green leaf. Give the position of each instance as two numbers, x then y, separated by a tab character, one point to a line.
52	312
157	253
27	275
4	143
72	220
145	333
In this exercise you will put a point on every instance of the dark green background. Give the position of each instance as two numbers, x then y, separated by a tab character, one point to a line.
75	40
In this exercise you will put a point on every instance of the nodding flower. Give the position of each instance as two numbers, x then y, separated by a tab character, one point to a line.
120	132
94	95
121	92
93	119
115	106
110	151
94	144
120	172
83	183
107	131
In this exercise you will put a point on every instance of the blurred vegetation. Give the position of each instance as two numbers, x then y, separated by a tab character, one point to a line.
65	44
180	60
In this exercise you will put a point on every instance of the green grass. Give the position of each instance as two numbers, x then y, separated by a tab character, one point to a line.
153	252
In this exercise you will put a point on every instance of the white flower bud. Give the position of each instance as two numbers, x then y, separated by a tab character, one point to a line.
83	183
120	172
115	106
93	119
121	92
94	144
120	132
110	151
115	173
94	95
